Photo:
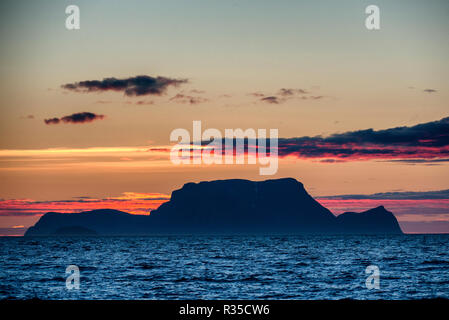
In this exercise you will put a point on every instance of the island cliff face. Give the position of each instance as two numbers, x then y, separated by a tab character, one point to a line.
279	206
240	206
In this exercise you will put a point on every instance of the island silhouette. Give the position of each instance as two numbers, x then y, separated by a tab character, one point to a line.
235	206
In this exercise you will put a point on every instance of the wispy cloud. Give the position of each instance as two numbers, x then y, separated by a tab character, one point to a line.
396	195
292	92
143	102
28	117
196	91
128	157
286	94
131	202
188	99
256	94
13	231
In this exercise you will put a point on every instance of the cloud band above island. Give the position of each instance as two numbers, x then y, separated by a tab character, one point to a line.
422	142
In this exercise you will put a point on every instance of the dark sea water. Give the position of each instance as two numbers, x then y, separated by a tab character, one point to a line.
226	267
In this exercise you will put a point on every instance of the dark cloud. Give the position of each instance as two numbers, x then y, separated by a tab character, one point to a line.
420	161
52	121
133	86
81	117
423	141
427	141
431	134
28	117
430	90
271	99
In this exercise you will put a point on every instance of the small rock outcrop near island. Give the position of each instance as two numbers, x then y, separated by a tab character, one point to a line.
377	220
236	206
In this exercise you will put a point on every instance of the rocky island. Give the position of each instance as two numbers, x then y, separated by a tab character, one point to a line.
236	206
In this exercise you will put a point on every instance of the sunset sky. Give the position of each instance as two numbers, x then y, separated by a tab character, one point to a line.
72	141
